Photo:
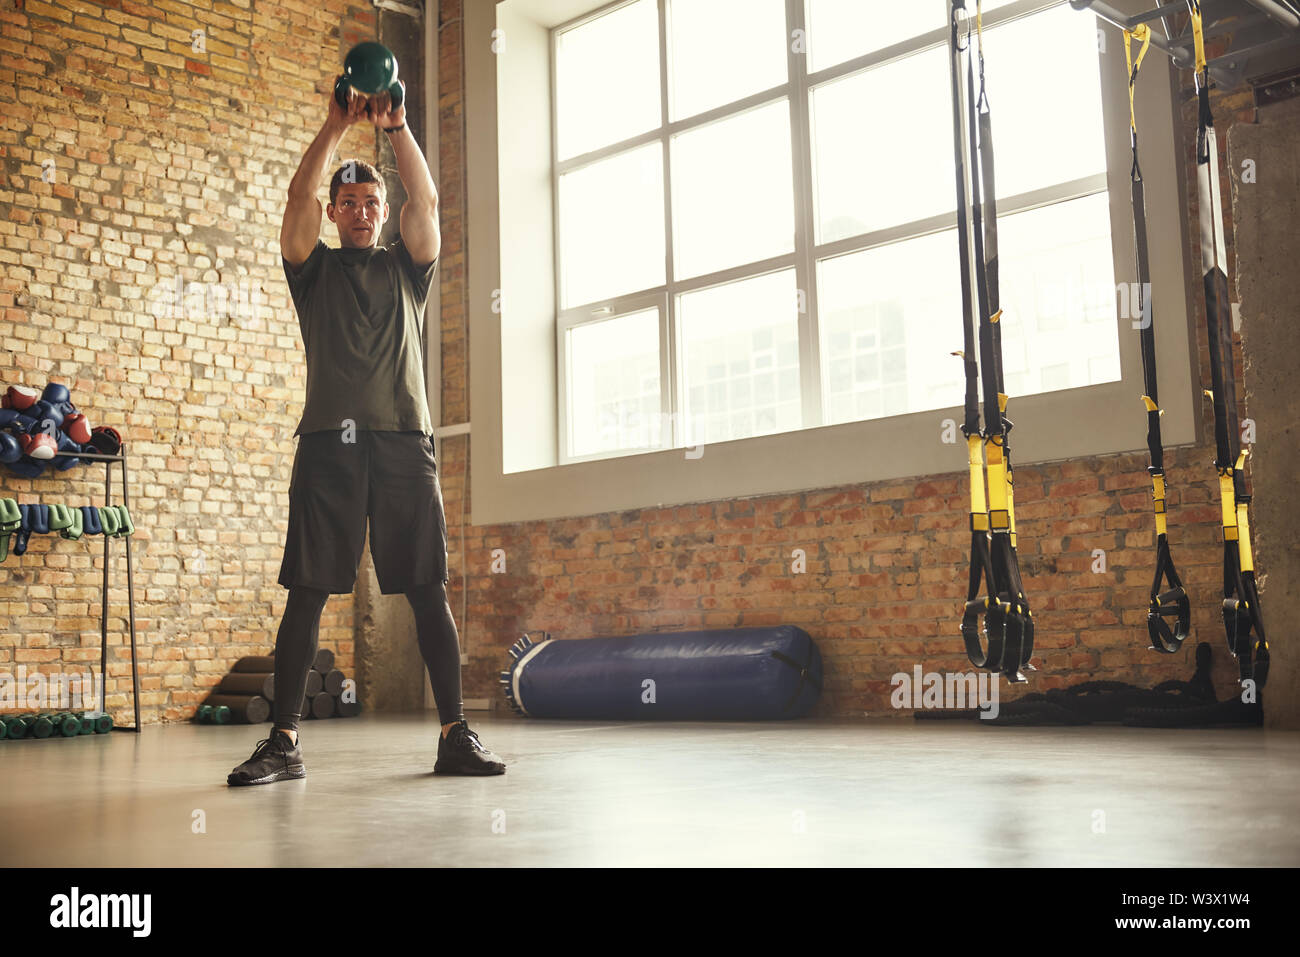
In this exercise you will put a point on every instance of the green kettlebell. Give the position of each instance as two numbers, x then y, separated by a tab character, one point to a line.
369	68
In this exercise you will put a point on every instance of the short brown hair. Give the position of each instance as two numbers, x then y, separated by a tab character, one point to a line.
356	171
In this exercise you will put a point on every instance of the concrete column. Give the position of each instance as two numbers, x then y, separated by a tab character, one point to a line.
1265	213
390	671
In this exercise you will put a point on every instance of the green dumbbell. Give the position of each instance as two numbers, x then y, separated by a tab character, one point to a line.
14	727
103	723
38	725
67	724
61	518
109	520
204	714
126	526
75	525
371	69
11	518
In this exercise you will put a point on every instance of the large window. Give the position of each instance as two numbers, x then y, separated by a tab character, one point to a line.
755	215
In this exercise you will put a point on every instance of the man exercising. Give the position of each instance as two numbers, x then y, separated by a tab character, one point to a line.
364	450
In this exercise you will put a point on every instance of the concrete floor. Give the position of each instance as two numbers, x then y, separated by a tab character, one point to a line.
889	793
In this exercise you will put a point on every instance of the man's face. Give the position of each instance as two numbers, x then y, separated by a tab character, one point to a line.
359	213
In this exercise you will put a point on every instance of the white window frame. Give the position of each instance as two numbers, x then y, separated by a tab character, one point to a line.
1085	421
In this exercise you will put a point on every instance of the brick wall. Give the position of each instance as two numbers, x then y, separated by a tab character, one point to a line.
887	563
172	163
170	158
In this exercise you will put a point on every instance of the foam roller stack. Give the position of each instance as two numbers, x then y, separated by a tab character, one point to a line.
247	694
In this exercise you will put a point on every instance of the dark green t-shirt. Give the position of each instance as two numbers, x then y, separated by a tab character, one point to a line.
361	312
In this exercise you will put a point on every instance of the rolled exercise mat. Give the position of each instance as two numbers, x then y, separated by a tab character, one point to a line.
244	682
315	683
257	664
322	706
346	709
268	688
248	708
734	674
324	660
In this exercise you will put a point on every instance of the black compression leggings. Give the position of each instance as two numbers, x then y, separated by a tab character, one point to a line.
299	636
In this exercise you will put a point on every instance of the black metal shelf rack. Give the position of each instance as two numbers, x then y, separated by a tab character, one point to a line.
109	460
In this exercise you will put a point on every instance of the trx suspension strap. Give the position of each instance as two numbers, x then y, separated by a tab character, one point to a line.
1008	626
1241	613
1171	603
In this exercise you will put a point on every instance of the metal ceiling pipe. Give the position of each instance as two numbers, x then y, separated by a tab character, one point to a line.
1283	15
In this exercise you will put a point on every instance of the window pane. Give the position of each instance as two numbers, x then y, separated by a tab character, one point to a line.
612	226
741	359
891	316
607	79
881	159
723	50
890	319
1059	329
613	378
733	193
1044	88
840	30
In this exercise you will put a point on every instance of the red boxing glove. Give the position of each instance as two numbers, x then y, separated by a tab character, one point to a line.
20	397
77	428
39	446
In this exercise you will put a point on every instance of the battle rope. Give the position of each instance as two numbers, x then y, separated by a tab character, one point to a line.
1241	612
1008	627
1173	602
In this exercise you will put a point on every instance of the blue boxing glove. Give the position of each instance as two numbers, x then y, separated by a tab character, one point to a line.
10	450
40	519
90	520
58	397
49	419
27	468
65	462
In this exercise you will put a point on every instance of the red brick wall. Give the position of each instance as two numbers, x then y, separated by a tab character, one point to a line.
173	163
887	562
170	163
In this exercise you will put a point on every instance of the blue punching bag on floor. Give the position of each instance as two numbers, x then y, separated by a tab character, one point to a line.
734	674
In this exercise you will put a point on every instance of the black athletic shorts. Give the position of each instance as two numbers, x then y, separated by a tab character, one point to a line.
389	478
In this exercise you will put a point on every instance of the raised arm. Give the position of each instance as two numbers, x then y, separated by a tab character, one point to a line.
302	211
419	218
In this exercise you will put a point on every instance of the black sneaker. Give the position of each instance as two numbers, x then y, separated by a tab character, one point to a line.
274	759
461	752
